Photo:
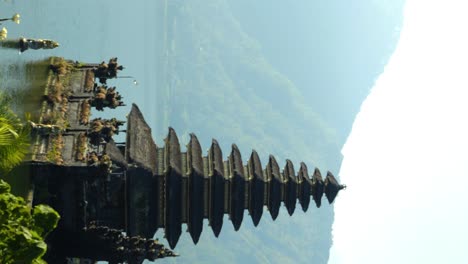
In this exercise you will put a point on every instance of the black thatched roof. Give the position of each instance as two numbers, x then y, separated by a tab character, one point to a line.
141	148
291	187
116	156
173	196
317	187
275	186
216	188
196	188
257	188
332	187
304	187
237	187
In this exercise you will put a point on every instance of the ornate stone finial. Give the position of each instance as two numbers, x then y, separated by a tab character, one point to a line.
25	44
108	70
106	97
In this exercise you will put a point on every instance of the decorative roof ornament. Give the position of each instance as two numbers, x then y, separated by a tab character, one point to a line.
16	18
25	44
3	33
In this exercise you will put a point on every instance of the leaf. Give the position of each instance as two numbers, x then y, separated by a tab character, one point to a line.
45	219
22	233
4	187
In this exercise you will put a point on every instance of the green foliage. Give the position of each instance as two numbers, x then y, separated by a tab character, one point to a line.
45	219
22	232
14	136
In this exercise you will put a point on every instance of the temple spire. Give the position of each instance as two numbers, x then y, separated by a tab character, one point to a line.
194	187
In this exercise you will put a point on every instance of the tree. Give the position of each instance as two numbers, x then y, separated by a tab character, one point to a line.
14	137
23	229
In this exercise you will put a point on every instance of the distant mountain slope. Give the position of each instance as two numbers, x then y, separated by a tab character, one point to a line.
332	50
215	81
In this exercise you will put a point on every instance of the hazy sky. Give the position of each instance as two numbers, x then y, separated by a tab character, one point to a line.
405	162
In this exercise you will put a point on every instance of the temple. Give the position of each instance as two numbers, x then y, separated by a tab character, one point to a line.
102	188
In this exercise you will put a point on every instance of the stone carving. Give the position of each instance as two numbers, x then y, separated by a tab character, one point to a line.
25	44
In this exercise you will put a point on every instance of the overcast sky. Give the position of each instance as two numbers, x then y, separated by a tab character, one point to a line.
405	162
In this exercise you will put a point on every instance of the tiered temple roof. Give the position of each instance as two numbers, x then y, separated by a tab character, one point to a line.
190	187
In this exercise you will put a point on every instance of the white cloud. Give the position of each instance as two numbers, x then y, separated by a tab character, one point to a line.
405	162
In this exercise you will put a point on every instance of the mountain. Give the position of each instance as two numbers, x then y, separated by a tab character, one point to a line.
220	76
217	83
332	51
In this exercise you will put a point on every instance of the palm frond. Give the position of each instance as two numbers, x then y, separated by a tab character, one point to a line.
14	137
12	154
7	136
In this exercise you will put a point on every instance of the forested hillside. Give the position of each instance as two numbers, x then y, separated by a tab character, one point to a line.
215	81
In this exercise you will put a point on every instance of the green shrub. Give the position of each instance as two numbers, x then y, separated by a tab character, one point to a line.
22	229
